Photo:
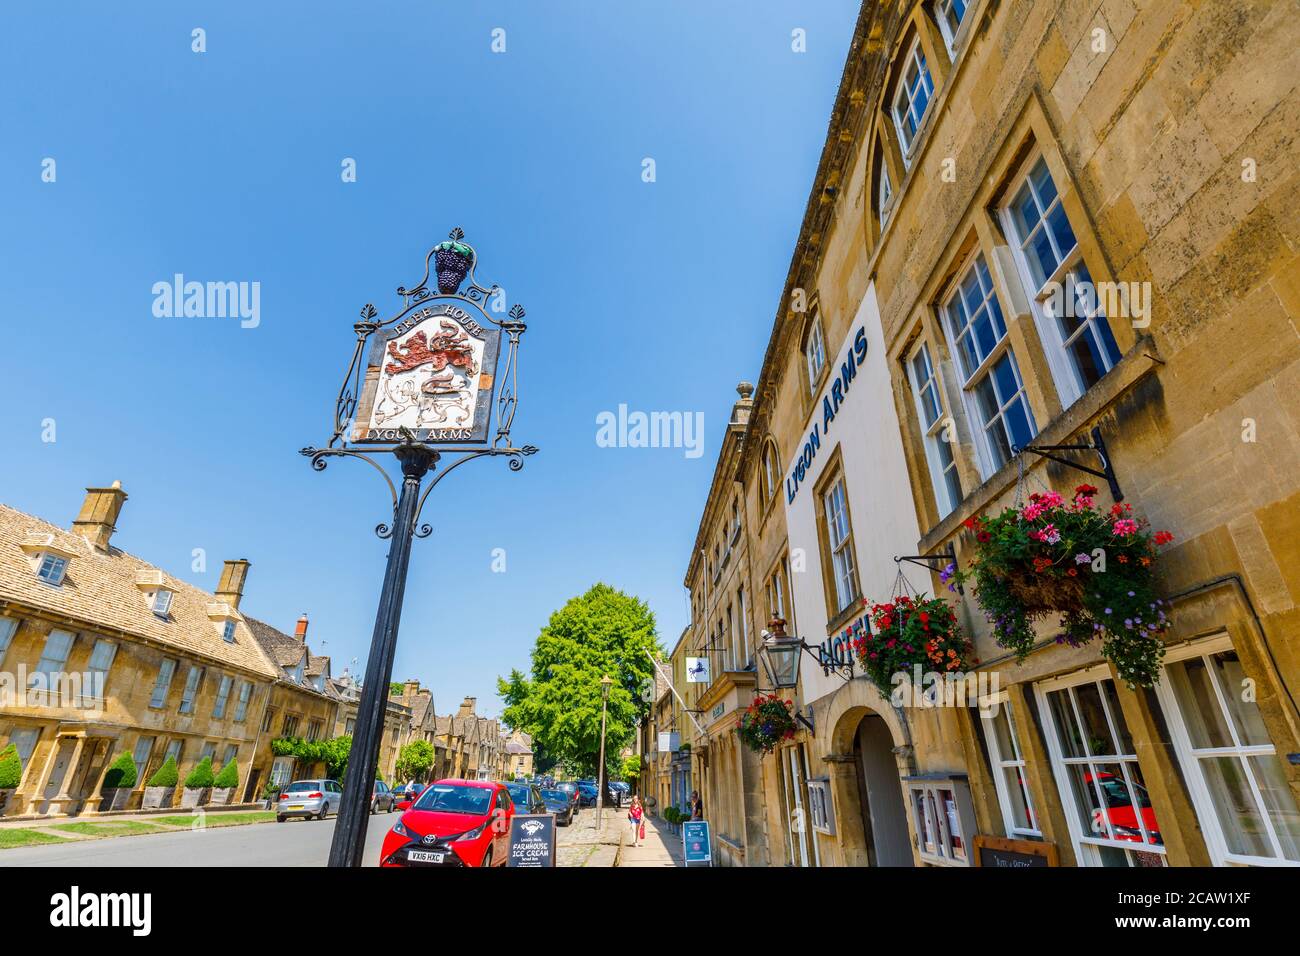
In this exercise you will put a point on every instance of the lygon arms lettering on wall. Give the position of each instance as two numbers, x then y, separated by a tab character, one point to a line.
831	399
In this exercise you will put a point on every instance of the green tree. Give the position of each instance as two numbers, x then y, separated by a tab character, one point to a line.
201	776
415	760
632	768
166	775
121	774
395	689
558	702
229	776
11	768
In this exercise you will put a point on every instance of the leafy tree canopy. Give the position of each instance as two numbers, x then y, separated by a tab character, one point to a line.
415	760
558	703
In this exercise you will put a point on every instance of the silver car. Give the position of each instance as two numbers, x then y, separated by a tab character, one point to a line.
309	798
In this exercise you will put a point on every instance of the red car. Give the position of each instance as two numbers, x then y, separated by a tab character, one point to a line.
1119	810
452	823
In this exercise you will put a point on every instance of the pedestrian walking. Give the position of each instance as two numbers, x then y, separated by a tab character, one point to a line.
636	816
697	806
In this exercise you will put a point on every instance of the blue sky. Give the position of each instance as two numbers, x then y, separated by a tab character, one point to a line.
225	166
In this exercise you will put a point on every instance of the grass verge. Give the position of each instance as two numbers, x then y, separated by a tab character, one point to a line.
18	837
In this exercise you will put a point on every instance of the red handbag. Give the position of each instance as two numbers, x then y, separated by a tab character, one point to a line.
642	836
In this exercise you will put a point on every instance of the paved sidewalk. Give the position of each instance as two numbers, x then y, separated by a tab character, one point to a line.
661	847
581	845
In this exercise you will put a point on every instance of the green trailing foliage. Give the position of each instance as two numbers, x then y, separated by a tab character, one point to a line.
11	768
229	776
122	774
333	753
201	776
165	776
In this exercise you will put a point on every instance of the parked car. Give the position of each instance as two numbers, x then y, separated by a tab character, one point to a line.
586	794
526	798
561	804
309	798
571	788
1119	809
382	798
452	823
621	792
407	794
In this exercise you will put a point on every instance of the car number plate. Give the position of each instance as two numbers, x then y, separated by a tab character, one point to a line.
295	806
424	856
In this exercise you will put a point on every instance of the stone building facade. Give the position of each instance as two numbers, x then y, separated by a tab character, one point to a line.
985	162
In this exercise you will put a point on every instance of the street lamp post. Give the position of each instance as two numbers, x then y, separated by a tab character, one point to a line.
421	386
605	683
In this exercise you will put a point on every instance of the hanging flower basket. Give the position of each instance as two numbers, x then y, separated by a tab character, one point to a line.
907	632
766	722
1091	567
452	260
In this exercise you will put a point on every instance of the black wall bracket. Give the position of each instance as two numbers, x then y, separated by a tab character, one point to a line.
1107	471
947	556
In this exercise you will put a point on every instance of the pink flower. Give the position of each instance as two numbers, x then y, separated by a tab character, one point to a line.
1051	499
1049	535
1124	526
1031	511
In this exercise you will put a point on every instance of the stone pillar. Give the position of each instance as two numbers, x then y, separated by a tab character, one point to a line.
850	814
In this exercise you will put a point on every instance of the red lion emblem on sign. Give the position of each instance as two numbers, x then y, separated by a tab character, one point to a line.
450	346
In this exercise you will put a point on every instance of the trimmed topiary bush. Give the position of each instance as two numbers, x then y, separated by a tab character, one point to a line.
201	776
165	776
11	768
122	775
228	778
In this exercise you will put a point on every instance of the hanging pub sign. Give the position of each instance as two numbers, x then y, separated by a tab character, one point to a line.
697	670
429	374
532	840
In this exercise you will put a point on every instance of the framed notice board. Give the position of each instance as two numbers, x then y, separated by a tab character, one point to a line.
999	853
532	840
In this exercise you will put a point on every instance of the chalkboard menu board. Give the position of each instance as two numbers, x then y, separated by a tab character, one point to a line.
532	840
998	853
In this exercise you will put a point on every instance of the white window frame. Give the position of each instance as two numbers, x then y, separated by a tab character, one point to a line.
769	471
193	680
1004	762
814	353
843	562
223	697
931	815
8	628
902	92
242	699
161	603
1086	844
1202	800
933	432
48	665
99	666
52	569
157	699
228	630
988	460
1065	372
953	38
884	194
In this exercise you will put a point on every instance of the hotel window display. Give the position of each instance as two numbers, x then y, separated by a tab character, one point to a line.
1242	800
1106	803
944	818
1008	761
991	382
1081	346
938	450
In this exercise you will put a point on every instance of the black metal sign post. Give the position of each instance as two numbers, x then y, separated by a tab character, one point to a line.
425	377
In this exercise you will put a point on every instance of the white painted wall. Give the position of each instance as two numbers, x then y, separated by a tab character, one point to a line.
880	496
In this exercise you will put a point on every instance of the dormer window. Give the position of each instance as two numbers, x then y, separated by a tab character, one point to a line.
225	619
48	560
157	593
52	569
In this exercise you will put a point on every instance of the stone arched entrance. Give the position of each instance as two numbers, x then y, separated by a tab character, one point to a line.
868	754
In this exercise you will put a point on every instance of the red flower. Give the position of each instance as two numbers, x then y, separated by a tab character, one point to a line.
1086	490
1163	537
983	536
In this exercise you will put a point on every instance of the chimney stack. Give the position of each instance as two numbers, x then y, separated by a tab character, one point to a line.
411	688
467	707
300	630
231	587
98	518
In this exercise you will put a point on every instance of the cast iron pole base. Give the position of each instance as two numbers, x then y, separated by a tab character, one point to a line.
349	841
